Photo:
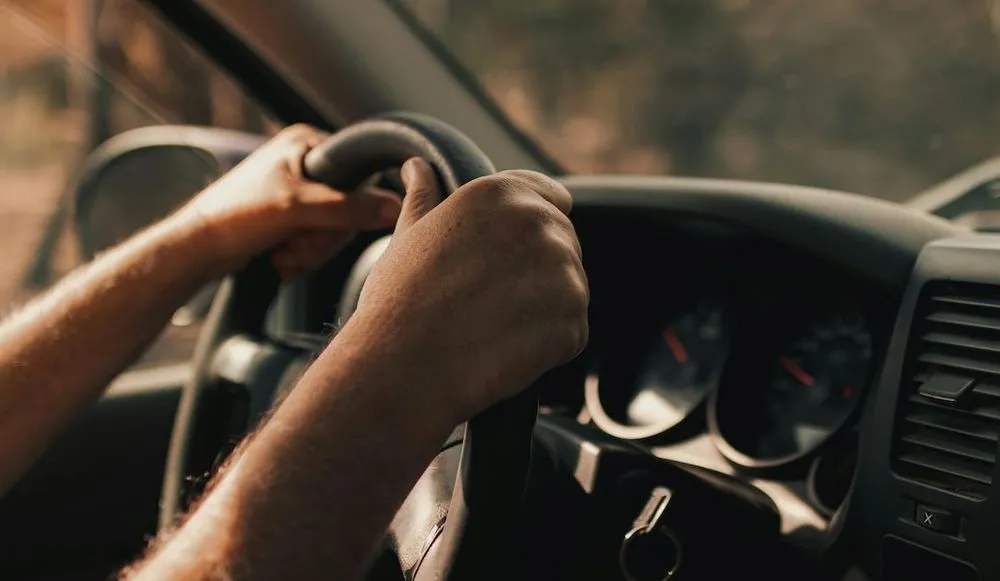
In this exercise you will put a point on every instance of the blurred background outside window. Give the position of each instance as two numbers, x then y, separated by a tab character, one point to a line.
72	74
878	97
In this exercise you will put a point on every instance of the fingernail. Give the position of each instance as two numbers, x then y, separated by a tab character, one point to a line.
408	172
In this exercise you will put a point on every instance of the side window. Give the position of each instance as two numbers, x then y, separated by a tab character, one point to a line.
72	74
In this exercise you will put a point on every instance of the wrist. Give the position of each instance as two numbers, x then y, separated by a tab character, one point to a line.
408	363
214	248
197	242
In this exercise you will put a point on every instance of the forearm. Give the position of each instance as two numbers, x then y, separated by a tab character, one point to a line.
59	352
313	494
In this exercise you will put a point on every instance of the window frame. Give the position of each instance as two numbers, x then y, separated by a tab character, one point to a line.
232	56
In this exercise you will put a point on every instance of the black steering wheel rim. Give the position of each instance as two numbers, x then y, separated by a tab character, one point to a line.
496	444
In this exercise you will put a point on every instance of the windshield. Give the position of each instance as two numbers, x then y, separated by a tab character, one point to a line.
879	97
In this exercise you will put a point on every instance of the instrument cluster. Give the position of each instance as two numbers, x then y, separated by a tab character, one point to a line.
769	395
773	370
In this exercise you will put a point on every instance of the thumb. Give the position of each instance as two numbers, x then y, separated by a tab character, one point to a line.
422	192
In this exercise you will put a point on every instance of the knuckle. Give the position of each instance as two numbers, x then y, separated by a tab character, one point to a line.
296	130
543	186
498	188
497	183
554	251
471	196
561	223
581	337
533	179
575	336
288	198
558	249
515	198
569	311
531	217
577	291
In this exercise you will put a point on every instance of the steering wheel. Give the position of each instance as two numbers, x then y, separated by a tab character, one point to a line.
453	523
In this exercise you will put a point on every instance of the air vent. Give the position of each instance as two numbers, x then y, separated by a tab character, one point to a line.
948	419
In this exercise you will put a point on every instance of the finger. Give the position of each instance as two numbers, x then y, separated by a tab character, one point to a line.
315	137
314	248
553	192
369	208
566	231
297	140
310	250
292	265
305	133
291	273
423	193
308	241
317	257
282	262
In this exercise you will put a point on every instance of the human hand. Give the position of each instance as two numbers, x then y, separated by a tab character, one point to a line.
480	293
265	204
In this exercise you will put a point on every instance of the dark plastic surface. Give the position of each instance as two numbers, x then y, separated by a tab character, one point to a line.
906	561
707	514
89	505
876	239
882	502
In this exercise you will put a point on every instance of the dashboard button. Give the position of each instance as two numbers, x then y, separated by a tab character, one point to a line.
936	519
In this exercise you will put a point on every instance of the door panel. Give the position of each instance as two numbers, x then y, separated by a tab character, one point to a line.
75	73
89	505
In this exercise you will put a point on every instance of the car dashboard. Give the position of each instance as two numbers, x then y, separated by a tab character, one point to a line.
723	349
759	331
837	354
832	352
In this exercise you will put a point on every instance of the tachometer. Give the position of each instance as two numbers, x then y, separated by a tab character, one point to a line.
810	388
678	366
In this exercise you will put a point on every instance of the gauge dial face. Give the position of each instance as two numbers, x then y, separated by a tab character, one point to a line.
815	382
679	366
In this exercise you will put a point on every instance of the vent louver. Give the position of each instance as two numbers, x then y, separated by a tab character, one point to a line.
948	418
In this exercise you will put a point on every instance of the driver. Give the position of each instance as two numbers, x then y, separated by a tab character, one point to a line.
476	296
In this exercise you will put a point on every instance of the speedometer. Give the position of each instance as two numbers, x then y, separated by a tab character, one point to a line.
670	375
814	385
801	391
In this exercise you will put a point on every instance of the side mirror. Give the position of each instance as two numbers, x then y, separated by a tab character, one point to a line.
141	176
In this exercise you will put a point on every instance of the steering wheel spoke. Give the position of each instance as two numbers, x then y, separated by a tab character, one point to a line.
258	368
420	520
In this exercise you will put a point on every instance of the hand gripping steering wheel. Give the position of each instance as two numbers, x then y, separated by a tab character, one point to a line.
453	524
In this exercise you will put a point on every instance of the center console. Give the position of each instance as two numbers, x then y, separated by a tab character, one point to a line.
923	503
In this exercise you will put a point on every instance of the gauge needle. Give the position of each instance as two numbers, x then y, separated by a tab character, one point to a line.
675	345
795	371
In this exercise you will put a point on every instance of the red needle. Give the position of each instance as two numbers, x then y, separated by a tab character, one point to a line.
675	345
795	371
